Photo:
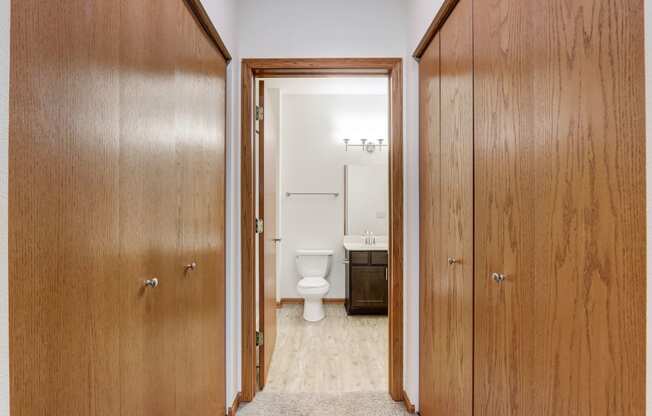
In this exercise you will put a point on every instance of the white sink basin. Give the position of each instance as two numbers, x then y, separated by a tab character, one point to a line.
356	243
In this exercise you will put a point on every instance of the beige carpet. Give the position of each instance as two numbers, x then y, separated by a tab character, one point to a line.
323	404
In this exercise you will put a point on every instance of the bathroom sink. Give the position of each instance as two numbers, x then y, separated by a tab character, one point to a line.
356	243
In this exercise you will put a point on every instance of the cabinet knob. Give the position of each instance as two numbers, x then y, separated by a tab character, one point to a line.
190	267
452	261
498	277
151	282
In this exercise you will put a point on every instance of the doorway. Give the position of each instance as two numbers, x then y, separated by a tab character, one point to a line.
253	71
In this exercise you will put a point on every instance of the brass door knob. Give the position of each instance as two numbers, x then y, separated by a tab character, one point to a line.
190	267
452	261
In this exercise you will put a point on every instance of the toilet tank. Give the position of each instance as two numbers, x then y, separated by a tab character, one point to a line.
314	263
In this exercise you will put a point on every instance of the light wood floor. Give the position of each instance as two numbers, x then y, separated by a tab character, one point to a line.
340	354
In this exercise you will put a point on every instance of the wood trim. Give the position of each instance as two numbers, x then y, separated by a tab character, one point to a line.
205	22
436	24
248	213
396	232
311	74
233	409
393	68
299	301
322	65
408	403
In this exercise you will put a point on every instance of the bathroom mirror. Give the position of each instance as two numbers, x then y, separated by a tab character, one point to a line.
366	199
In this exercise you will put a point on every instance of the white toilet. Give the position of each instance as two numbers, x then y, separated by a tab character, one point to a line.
314	267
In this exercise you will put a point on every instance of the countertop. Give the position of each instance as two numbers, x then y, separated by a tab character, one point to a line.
356	243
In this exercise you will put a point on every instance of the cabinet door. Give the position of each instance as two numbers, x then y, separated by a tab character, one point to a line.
200	311
559	150
430	256
148	208
64	276
453	317
369	288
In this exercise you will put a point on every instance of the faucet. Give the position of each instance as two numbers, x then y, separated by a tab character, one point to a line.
369	237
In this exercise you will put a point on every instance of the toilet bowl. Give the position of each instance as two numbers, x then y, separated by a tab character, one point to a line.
314	267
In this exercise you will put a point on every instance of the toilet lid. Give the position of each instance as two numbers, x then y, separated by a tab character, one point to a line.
312	282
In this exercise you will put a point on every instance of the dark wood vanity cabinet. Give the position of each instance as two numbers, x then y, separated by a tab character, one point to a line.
366	282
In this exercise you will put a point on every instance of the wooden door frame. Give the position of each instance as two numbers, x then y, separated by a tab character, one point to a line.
322	67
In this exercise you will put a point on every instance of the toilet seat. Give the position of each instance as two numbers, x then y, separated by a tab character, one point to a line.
313	286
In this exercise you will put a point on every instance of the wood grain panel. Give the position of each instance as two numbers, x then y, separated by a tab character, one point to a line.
396	230
430	256
453	297
200	125
505	211
98	100
590	199
268	191
148	210
248	235
202	18
63	208
437	23
322	65
560	208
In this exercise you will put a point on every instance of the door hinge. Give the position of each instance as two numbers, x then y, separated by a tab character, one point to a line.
260	113
259	338
259	226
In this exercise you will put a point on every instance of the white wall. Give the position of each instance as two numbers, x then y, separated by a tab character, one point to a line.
420	14
335	28
4	189
313	127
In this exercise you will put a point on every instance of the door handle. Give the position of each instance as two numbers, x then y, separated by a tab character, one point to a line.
190	267
151	282
498	277
452	261
277	240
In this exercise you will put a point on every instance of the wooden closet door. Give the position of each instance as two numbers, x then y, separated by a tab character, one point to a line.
64	285
430	255
453	309
200	312
559	208
148	208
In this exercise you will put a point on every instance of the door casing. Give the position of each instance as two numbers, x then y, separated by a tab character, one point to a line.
392	68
